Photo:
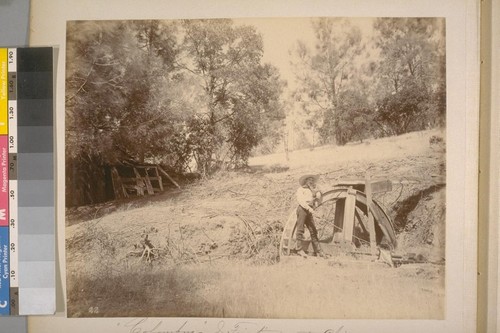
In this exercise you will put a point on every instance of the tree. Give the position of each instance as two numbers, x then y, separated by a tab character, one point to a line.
163	92
325	73
354	116
240	93
411	72
93	81
117	100
93	90
401	111
149	118
118	107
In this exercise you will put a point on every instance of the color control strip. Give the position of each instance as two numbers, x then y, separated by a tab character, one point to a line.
35	178
27	193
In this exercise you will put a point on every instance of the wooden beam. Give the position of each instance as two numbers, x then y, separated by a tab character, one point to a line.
158	178
168	176
380	186
371	222
350	207
149	186
361	222
339	217
139	183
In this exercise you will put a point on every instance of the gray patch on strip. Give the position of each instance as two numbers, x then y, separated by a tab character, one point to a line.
35	193
35	166
36	220
35	112
36	248
37	274
36	301
35	139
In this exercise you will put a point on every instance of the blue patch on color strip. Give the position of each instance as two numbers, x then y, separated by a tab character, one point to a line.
4	270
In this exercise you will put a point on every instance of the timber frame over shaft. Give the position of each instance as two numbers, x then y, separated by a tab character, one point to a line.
138	180
346	208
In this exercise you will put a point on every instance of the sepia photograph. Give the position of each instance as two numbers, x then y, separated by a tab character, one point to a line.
277	168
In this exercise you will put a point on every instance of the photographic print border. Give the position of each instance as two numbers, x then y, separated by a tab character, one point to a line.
48	28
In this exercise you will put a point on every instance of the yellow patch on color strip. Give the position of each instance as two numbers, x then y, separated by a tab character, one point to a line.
3	92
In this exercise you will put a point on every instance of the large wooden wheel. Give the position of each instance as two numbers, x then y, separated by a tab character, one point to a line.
342	215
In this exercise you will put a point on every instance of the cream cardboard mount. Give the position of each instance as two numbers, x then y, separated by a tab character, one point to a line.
48	28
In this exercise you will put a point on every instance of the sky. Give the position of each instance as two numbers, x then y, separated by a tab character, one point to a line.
279	37
281	34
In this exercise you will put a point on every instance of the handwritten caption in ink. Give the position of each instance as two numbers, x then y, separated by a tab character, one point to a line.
149	325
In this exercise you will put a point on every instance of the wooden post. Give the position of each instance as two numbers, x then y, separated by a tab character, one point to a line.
371	222
349	209
147	181
139	183
158	177
338	225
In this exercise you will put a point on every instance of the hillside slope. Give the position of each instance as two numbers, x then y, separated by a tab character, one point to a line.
235	219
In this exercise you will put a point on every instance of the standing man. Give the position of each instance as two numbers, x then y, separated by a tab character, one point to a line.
306	194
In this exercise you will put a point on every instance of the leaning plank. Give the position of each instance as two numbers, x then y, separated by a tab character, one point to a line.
149	186
118	185
168	176
145	178
158	178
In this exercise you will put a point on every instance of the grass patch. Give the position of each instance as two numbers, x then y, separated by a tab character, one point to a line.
311	289
150	292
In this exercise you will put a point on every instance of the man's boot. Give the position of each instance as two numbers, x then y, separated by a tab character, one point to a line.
317	249
300	250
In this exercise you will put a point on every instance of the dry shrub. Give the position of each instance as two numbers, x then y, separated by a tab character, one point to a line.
96	239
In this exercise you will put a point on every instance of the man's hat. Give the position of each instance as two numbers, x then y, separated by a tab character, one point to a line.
302	180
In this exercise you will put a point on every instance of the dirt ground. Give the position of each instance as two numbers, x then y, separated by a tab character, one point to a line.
216	242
